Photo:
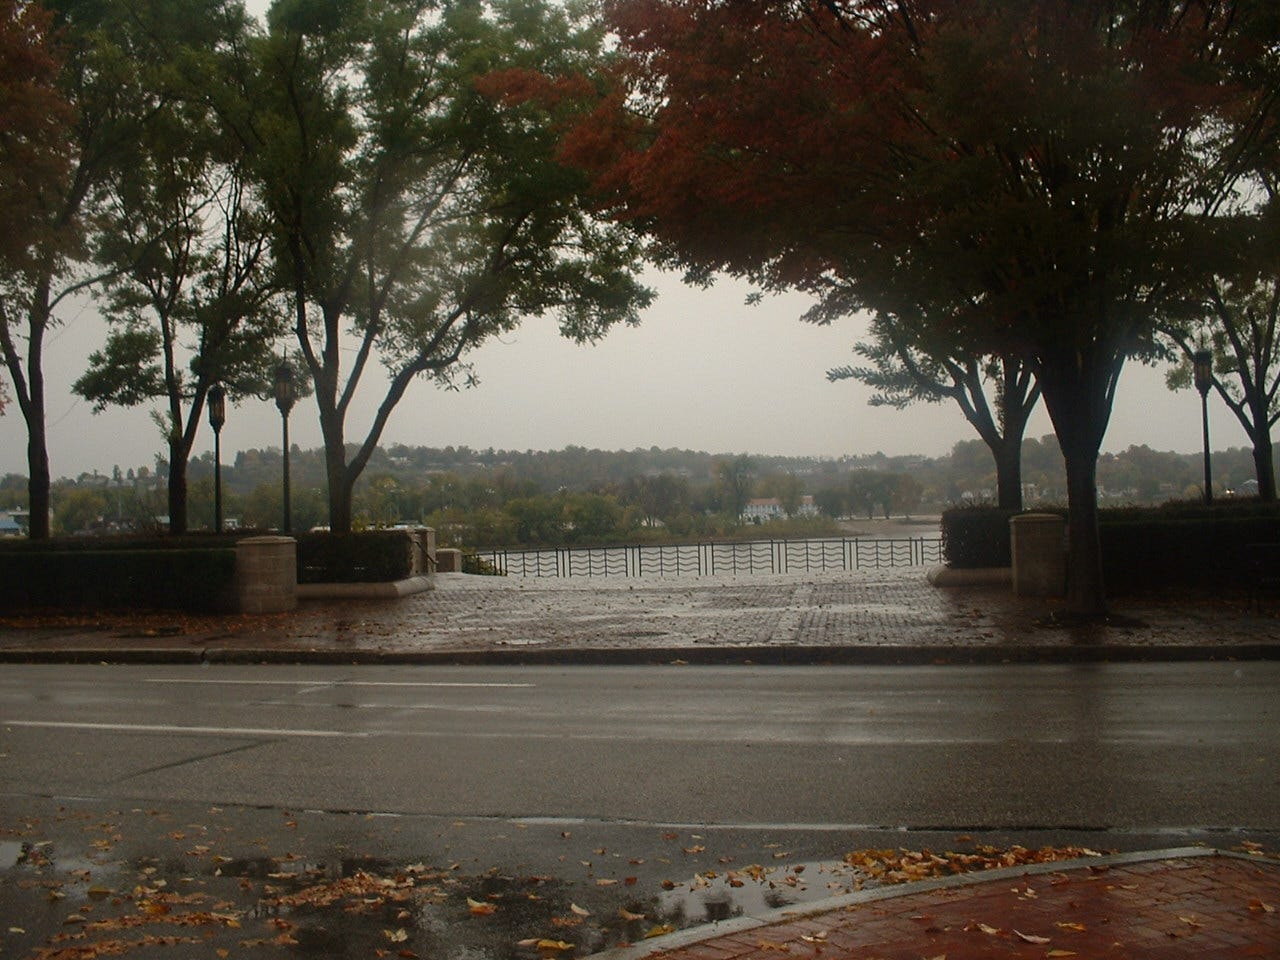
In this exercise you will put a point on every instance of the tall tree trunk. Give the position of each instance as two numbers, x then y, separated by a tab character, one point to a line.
1264	465
38	480
29	385
1086	591
1078	390
336	473
1008	457
177	487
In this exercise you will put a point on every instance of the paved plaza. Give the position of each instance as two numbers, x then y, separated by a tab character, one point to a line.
867	616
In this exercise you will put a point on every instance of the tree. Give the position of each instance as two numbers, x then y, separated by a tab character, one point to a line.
1043	177
35	172
189	296
996	394
416	204
1239	327
788	490
735	480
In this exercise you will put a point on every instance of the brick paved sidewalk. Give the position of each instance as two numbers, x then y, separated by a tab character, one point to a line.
1180	906
889	616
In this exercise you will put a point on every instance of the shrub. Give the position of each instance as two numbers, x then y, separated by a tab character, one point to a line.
976	537
479	566
195	580
373	556
1175	544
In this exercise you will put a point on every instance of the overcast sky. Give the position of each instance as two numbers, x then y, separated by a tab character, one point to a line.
703	371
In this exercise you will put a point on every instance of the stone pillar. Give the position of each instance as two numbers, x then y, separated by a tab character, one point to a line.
1039	547
449	560
266	574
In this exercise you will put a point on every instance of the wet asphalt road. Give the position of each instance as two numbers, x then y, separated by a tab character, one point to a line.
1096	746
532	786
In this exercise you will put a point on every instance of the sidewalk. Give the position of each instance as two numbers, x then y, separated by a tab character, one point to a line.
892	616
1168	905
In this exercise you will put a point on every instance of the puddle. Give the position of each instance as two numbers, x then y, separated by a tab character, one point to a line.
358	906
747	891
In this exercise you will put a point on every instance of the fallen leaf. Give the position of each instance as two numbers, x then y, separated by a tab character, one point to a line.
579	910
396	936
627	915
1257	906
659	931
1031	938
1060	953
603	882
479	909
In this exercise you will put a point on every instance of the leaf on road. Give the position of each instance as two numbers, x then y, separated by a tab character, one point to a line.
396	936
1073	926
1030	937
1257	906
659	931
903	866
579	911
479	909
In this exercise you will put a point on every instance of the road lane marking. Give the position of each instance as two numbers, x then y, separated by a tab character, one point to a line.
171	728
343	683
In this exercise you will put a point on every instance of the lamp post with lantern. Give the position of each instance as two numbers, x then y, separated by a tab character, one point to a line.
1202	368
217	417
285	397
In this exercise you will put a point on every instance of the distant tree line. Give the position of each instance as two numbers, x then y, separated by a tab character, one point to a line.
577	495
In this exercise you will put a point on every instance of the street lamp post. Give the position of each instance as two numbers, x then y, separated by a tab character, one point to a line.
285	397
217	417
1202	366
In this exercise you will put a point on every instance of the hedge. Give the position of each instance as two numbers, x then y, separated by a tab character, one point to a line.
196	580
976	537
1175	544
373	556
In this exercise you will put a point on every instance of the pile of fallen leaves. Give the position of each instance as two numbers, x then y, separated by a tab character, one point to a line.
905	866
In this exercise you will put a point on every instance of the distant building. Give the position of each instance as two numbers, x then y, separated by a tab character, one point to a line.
13	523
765	509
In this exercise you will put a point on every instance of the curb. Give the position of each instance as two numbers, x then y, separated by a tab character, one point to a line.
796	655
724	928
383	590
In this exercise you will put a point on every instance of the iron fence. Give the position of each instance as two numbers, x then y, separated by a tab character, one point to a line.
717	558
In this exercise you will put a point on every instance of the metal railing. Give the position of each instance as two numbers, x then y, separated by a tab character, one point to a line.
729	558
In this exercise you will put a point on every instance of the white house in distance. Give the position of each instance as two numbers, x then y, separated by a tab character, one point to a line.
764	509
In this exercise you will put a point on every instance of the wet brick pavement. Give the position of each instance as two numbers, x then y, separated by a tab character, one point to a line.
1205	907
883	616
